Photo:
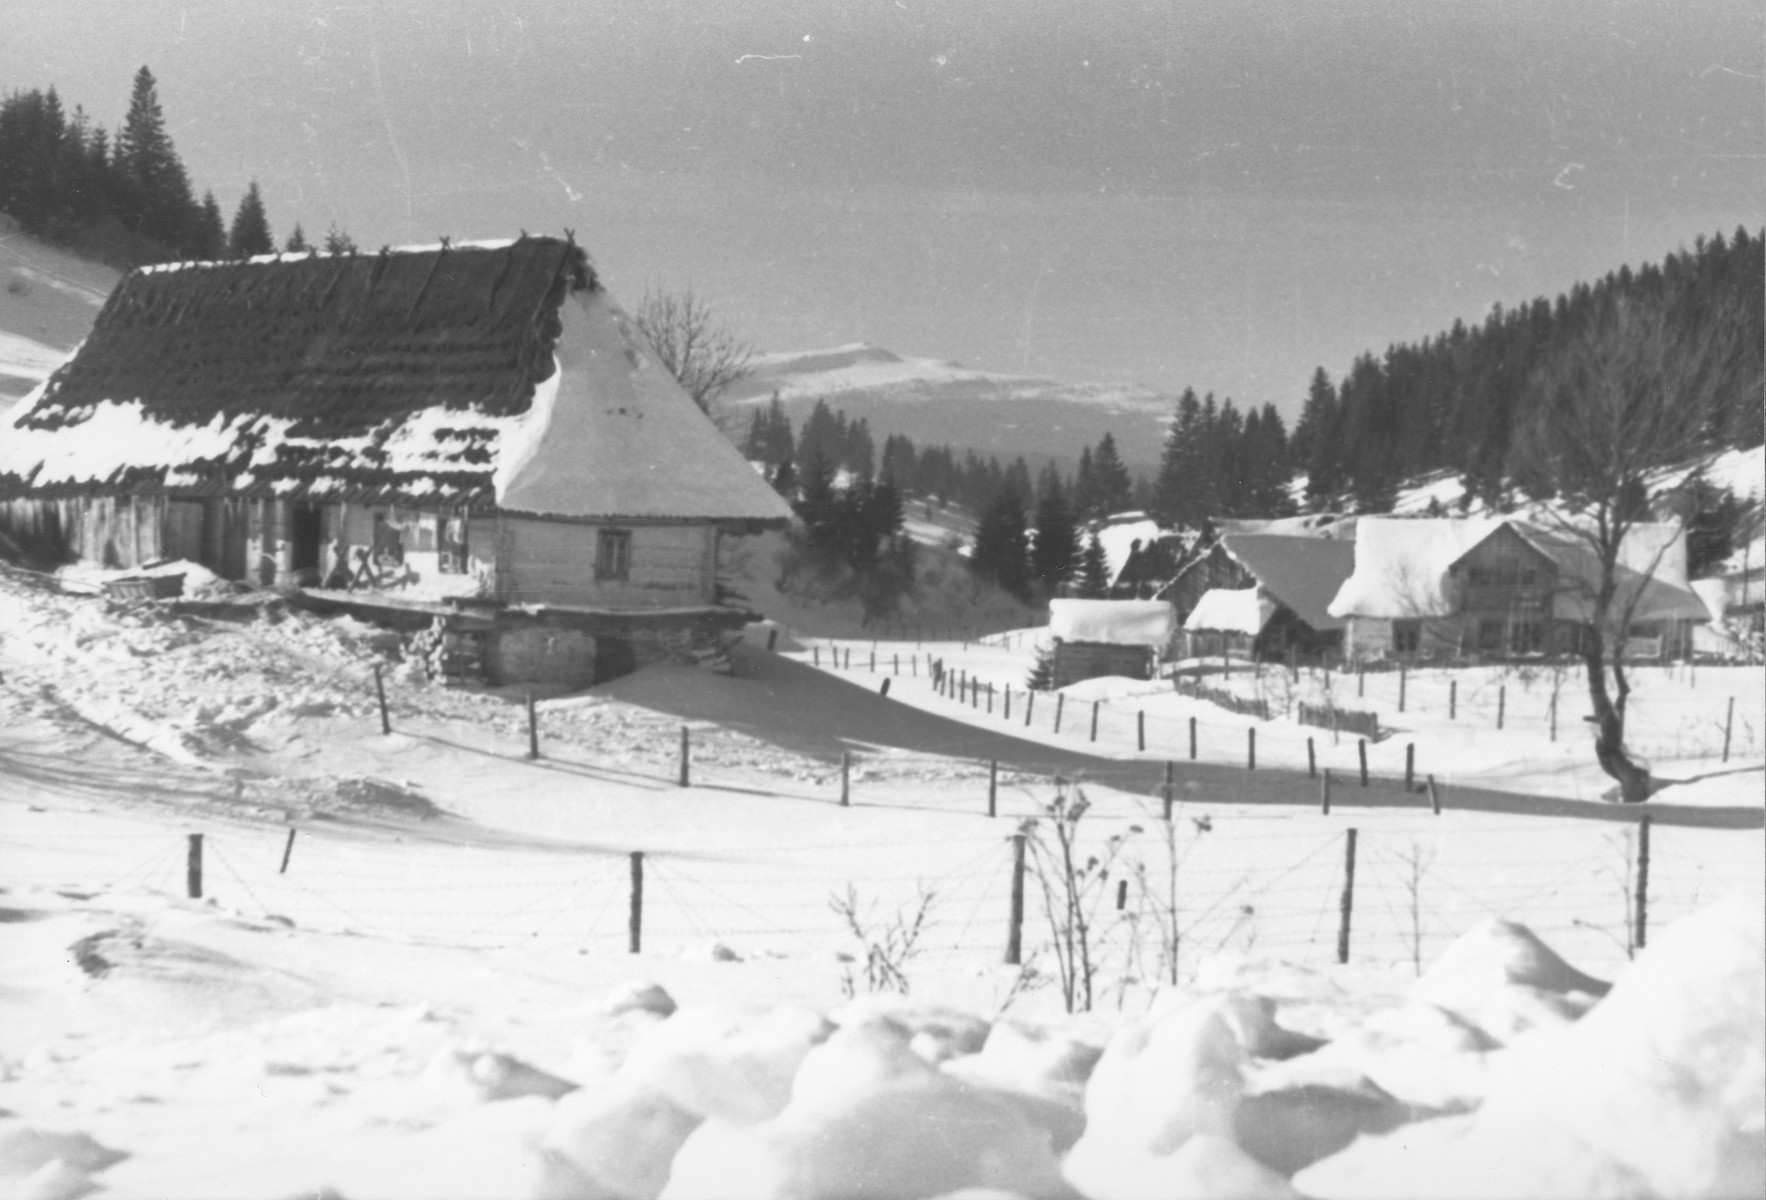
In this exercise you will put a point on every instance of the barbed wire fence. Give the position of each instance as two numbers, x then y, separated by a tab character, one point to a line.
1312	884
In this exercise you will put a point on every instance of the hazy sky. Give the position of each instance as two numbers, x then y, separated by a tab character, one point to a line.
1222	194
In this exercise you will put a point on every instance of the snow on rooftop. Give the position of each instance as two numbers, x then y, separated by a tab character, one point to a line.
1231	610
318	252
1401	566
1118	541
1113	622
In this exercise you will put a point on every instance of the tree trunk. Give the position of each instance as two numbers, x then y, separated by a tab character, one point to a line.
1609	727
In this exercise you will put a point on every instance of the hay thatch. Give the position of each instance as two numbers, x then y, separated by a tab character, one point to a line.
296	356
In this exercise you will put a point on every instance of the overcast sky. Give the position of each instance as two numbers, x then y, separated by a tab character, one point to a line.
1221	194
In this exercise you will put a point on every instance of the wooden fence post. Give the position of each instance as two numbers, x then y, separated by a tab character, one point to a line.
1403	679
380	695
635	923
1642	880
1728	725
1015	921
1311	760
1007	715
772	639
287	851
1170	787
1192	739
1453	699
1094	720
685	757
873	660
846	779
1363	751
1554	716
993	781
1060	703
1250	747
1360	680
1409	767
1348	897
1140	720
1324	793
193	867
1029	707
1434	797
533	727
1501	704
816	655
990	697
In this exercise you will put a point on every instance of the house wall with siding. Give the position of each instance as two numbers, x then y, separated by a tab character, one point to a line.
553	562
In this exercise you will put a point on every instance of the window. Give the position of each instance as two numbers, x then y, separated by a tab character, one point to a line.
1526	637
1490	637
1407	637
613	554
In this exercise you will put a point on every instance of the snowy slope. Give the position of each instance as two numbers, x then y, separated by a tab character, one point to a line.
48	301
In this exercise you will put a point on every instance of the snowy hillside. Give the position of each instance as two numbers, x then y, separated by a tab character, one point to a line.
48	301
936	402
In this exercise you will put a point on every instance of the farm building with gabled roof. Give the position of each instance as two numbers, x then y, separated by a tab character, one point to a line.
1264	595
1507	587
476	423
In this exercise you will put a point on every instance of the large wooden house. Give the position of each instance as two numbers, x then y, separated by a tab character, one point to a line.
476	433
1506	588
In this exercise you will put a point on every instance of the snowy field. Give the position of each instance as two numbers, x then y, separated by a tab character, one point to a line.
410	946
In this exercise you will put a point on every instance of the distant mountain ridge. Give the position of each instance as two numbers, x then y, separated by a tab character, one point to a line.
938	402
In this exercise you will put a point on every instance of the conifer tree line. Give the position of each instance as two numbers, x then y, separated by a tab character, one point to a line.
1458	401
1218	462
856	529
62	175
964	478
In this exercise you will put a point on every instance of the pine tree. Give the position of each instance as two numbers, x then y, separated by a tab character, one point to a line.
297	242
338	242
1057	539
1176	494
158	198
250	234
1114	490
1085	487
1001	554
210	241
1094	571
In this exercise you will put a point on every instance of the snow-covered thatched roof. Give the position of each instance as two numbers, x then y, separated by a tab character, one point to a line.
464	375
1231	610
1113	622
1402	568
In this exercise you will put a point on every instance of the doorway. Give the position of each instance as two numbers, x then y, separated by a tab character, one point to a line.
306	537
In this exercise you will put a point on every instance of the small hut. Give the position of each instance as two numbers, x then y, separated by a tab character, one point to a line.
1093	638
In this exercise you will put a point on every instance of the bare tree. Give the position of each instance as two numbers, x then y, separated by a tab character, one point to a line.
703	356
1624	397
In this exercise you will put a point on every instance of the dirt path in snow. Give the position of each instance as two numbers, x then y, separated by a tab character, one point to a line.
812	713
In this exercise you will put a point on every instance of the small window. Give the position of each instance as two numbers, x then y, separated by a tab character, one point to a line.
613	554
1407	637
1490	637
1526	637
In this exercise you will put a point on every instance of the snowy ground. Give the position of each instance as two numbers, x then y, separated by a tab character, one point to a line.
398	1011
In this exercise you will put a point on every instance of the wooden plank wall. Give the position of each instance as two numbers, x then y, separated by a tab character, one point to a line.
553	562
